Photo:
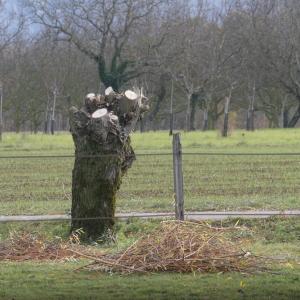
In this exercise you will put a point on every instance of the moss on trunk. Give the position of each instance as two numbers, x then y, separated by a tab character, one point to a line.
103	154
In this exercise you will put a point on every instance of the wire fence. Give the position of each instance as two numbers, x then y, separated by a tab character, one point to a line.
213	181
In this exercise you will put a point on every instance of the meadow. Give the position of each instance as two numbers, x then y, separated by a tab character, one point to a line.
33	182
276	237
35	172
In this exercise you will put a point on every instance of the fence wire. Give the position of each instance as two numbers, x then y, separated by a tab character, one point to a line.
39	185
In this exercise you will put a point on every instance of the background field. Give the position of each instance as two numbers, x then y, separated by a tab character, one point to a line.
213	180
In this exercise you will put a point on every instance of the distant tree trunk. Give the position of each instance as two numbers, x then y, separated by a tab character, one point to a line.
107	77
226	119
250	120
17	125
171	128
285	117
52	126
188	113
35	126
160	97
212	116
193	104
273	119
102	156
205	120
293	121
142	126
250	112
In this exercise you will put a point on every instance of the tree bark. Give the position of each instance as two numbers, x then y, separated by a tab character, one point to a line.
250	120
293	121
194	99
285	116
102	156
205	120
226	119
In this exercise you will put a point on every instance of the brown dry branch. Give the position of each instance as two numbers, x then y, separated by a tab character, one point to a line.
26	246
181	247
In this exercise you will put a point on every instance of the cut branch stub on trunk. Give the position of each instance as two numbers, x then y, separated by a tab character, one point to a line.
94	102
128	102
99	113
100	131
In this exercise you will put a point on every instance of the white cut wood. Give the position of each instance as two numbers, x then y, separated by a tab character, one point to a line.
99	113
130	95
108	91
128	102
113	117
90	96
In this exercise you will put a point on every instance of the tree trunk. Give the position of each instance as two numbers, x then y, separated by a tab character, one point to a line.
171	125
211	119
226	119
52	126
194	99
250	120
205	120
142	126
285	117
188	113
293	121
102	156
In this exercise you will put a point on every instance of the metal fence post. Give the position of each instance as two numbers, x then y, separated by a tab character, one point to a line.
178	177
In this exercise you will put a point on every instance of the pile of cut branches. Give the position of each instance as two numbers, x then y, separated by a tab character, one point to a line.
181	247
27	246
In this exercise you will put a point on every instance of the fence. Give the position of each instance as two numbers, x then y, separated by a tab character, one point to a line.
222	183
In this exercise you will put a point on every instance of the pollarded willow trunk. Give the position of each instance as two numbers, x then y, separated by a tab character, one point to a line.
103	154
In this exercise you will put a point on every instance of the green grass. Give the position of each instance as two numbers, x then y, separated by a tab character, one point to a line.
59	281
31	186
43	185
274	140
275	237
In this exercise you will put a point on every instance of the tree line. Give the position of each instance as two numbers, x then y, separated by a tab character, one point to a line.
194	59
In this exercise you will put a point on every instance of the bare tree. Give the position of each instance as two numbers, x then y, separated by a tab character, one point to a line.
102	30
9	30
276	27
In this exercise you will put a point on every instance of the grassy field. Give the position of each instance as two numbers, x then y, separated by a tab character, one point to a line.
212	182
42	185
278	238
59	281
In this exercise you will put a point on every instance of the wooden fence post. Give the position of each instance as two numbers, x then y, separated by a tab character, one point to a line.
1	111
226	111
178	177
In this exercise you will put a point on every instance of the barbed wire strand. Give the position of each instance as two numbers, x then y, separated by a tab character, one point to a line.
156	154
